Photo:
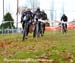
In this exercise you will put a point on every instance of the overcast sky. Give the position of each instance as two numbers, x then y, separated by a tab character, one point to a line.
10	5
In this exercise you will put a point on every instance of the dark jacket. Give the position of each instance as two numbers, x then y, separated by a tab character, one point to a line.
37	14
64	18
26	16
44	16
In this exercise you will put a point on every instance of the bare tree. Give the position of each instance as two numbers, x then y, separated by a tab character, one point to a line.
34	4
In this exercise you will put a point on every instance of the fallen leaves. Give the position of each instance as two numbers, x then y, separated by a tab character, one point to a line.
50	44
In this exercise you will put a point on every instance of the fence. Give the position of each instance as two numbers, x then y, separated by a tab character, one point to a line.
10	30
71	26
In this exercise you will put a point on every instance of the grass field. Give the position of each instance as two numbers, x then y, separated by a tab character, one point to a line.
53	47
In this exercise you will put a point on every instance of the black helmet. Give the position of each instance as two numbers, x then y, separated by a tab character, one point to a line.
38	9
64	15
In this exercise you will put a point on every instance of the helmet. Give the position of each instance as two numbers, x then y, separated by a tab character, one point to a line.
38	9
43	11
28	9
24	9
64	15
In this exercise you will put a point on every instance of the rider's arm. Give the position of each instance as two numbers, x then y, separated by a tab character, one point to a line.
22	18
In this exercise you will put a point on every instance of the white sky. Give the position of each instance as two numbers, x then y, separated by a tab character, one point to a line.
10	5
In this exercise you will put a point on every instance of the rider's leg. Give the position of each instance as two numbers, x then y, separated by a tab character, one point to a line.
66	26
28	25
43	28
25	31
39	30
34	31
23	25
63	28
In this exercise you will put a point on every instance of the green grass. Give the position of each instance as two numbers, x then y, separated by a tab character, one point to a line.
53	46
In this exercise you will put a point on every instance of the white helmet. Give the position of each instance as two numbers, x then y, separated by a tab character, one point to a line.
28	9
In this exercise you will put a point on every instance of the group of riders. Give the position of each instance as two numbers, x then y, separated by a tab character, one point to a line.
35	18
38	18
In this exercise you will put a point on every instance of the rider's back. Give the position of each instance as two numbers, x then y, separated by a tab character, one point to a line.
44	16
